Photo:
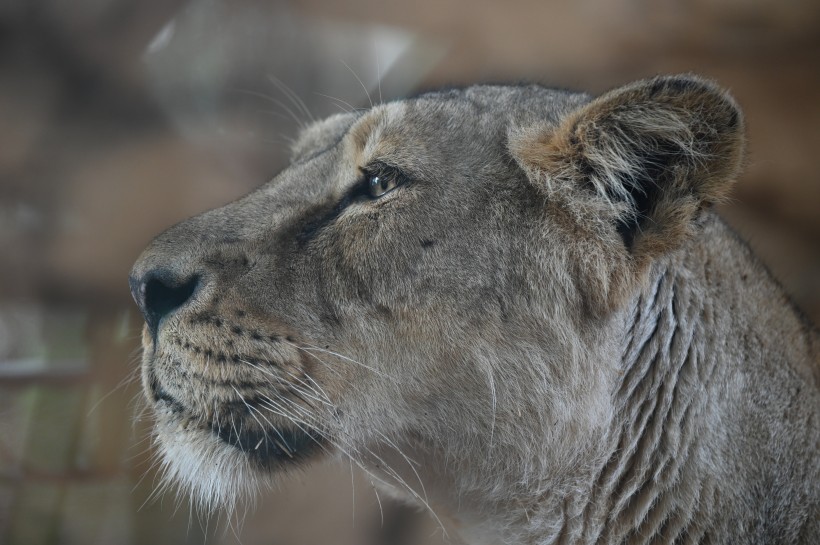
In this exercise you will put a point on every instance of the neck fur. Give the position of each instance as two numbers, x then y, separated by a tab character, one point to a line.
651	485
648	484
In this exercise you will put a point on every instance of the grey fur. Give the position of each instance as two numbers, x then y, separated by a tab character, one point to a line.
545	335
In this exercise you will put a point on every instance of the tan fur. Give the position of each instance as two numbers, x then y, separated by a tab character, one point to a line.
543	335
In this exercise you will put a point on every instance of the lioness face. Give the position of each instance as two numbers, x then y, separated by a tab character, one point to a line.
416	275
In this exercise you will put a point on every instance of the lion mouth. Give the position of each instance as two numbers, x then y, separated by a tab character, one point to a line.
269	447
242	425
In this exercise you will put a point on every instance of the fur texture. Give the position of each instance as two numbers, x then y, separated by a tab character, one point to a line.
542	334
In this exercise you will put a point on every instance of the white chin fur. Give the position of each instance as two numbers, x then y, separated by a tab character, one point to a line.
213	474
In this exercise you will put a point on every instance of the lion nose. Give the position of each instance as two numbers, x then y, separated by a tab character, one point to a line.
159	292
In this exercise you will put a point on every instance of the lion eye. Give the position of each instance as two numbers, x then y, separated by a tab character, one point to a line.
381	180
380	184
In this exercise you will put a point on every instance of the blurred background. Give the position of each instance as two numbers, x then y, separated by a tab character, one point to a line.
119	118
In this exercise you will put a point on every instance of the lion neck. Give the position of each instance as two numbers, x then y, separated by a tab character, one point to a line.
661	465
612	486
653	478
649	474
691	409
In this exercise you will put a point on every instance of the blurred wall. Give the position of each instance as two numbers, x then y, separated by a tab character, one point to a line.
119	118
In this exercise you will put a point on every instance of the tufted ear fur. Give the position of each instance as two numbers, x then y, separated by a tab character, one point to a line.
651	153
320	135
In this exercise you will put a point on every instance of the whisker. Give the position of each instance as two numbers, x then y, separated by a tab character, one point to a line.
291	94
342	104
309	389
300	122
251	412
129	378
378	71
283	413
330	367
410	462
353	490
365	366
281	442
294	405
395	475
491	381
370	100
379	501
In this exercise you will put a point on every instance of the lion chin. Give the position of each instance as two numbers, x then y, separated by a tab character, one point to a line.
221	452
220	467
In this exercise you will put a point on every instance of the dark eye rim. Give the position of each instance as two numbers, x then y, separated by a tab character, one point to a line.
356	194
391	177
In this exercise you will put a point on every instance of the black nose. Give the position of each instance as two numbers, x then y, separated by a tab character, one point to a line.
159	293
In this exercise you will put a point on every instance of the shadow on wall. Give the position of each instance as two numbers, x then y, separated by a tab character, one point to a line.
120	118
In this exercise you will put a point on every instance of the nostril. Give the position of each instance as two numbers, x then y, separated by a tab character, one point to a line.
161	299
160	293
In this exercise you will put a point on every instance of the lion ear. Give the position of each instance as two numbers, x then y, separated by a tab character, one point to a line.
653	152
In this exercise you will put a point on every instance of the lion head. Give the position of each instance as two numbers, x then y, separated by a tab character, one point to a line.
441	274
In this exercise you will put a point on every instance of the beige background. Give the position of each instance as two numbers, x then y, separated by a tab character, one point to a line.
120	117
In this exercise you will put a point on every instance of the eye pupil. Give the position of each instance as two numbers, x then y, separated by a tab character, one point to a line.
382	182
379	185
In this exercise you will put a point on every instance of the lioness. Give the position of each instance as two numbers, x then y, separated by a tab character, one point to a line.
511	305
